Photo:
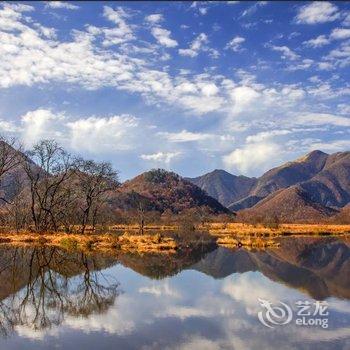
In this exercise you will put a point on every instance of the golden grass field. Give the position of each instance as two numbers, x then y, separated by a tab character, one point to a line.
127	242
241	229
154	240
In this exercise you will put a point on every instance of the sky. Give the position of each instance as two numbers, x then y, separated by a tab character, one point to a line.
185	86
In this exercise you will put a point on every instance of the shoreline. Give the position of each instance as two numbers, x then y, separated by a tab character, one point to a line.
168	239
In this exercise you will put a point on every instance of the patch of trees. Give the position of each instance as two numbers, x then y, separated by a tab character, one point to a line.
157	176
52	190
47	189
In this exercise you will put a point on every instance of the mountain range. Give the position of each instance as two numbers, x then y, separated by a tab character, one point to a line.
310	188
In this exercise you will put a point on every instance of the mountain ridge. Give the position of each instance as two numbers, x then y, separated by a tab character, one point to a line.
314	186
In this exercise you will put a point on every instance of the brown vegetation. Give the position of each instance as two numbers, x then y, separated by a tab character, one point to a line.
261	230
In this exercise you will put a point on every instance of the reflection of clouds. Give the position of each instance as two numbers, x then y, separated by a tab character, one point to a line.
195	343
324	335
339	305
29	333
216	314
247	288
184	312
118	319
160	289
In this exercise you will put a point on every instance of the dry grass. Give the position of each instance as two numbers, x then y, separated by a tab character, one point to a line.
130	240
146	227
126	242
239	229
234	242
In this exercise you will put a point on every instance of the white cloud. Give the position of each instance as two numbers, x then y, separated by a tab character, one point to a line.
186	136
7	127
287	53
325	66
161	157
252	156
305	64
252	9
40	124
61	5
265	135
94	135
323	119
341	55
119	34
154	18
195	47
340	33
346	21
320	41
317	12
101	134
163	37
344	108
242	97
332	146
235	44
203	10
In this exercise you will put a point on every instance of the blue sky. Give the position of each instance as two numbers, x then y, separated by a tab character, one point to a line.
186	86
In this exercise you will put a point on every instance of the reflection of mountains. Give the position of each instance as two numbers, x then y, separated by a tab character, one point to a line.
41	286
321	267
158	266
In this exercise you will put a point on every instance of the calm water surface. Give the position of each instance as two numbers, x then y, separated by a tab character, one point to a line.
52	299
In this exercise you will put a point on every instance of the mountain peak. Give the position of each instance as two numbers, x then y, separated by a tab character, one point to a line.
220	172
312	156
168	190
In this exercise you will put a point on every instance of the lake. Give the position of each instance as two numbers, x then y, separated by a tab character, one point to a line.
292	297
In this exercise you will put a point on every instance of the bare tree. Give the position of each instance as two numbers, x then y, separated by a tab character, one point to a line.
10	159
49	169
18	213
49	296
95	181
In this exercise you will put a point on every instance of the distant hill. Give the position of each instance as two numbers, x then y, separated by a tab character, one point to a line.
286	175
292	204
317	198
168	190
331	186
313	187
223	186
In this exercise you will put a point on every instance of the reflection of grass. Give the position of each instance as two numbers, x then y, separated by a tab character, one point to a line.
234	242
69	243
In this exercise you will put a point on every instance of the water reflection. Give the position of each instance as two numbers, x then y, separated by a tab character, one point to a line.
192	300
38	290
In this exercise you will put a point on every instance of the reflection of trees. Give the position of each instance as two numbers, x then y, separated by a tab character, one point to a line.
49	296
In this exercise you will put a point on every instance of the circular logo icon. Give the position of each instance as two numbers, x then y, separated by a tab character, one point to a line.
273	315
